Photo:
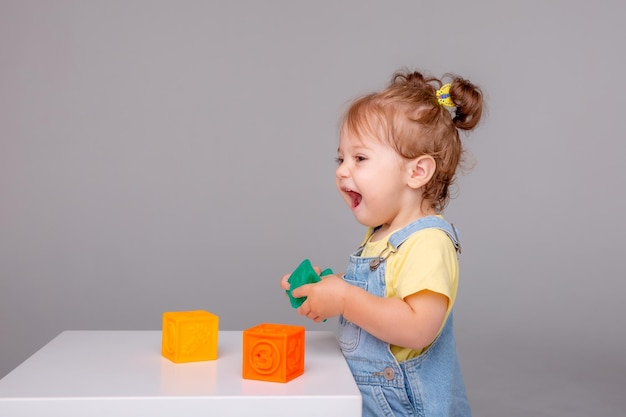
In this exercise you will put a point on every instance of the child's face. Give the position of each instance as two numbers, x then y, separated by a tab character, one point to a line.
371	178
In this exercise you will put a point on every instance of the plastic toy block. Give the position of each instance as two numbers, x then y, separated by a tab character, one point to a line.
303	274
273	352
189	336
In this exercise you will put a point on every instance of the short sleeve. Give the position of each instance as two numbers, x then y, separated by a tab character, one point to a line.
427	260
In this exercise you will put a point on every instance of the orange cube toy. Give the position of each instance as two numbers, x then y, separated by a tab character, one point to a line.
189	336
273	352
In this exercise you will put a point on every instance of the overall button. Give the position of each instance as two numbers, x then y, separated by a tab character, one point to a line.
389	374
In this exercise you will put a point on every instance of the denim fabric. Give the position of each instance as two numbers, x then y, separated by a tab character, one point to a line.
428	385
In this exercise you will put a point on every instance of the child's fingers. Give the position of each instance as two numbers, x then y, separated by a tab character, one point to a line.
284	282
301	291
304	309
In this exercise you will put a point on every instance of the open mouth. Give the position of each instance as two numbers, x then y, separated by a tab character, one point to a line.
354	197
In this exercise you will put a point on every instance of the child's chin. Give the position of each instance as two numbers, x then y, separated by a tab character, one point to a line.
365	222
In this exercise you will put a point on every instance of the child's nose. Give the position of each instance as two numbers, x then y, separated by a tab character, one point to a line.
342	171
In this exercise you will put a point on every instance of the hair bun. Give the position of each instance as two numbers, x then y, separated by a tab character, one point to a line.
468	100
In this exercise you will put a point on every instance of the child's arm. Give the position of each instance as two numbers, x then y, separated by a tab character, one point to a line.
386	318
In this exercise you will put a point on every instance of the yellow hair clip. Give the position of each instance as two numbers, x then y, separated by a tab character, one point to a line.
443	96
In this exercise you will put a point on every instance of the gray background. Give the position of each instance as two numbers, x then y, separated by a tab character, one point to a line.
176	155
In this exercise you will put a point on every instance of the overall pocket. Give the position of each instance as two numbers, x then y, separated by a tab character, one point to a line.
349	333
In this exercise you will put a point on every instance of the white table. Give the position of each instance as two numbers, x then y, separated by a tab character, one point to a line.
122	373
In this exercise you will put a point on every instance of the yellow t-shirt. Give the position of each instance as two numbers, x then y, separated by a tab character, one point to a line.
427	260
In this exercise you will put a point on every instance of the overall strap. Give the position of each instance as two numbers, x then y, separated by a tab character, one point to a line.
428	222
399	237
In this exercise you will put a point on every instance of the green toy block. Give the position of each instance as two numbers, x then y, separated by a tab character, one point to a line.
303	274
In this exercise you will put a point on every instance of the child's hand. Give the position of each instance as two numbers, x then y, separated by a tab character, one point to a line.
324	299
284	282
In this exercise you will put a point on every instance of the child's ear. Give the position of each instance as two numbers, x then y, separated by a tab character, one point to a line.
420	170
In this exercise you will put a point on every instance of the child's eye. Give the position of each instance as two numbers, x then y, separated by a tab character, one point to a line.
339	161
360	158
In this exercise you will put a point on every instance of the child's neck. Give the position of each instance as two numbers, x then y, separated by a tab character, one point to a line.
386	229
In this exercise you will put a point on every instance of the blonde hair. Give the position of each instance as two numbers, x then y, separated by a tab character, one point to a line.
407	116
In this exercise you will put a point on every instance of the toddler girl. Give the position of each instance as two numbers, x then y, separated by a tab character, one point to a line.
398	153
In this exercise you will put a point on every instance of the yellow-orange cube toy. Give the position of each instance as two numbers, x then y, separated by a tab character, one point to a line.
189	336
273	352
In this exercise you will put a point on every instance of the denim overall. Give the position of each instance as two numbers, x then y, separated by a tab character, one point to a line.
428	385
